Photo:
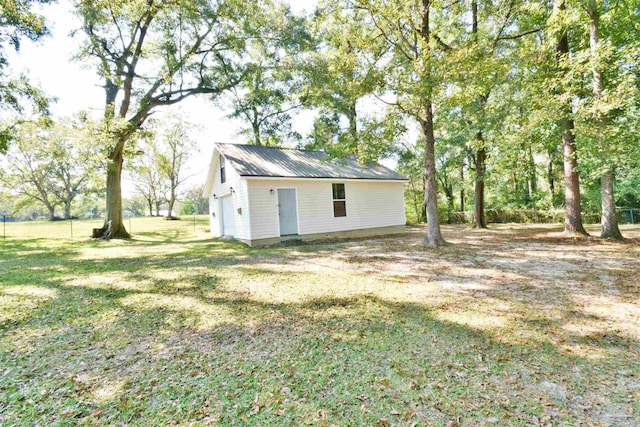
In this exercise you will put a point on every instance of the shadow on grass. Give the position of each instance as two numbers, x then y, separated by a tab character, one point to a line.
355	360
191	348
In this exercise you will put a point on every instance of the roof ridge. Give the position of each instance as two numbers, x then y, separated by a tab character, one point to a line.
276	148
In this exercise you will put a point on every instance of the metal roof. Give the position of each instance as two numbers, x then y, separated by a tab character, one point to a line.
259	161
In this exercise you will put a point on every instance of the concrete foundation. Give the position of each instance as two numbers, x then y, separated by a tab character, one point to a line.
348	234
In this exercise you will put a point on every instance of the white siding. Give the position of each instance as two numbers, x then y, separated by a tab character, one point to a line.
369	204
239	197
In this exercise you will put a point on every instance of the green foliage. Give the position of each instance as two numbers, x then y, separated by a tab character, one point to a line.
197	203
269	93
342	78
137	205
158	165
187	208
52	164
18	21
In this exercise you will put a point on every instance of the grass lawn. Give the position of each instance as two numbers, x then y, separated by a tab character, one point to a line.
515	325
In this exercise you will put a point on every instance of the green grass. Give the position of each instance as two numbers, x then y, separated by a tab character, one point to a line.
510	326
157	228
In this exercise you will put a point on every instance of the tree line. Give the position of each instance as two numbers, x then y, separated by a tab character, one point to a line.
506	102
55	164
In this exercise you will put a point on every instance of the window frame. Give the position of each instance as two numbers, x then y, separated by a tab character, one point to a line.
223	170
335	193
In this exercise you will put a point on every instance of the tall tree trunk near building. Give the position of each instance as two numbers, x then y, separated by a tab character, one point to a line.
609	221
114	225
479	220
573	211
434	236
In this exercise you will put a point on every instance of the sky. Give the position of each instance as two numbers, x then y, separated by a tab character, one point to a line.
49	63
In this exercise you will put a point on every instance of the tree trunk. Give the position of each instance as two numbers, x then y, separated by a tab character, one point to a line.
172	201
353	129
481	155
479	220
532	184
462	187
256	134
52	212
609	220
573	211
113	227
450	203
434	236
552	184
67	209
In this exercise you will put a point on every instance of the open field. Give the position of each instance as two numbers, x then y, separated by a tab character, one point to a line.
515	325
143	227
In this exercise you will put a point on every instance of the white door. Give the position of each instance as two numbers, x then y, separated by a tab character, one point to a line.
287	211
228	225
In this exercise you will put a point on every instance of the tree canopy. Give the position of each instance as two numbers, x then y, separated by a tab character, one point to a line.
487	104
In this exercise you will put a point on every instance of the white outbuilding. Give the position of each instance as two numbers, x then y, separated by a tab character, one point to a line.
265	195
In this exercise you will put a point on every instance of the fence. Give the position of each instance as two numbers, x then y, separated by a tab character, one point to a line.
629	215
156	227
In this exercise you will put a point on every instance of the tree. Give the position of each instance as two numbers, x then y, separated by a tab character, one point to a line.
135	205
609	216
146	175
341	79
18	22
172	160
153	53
51	164
75	164
269	94
412	75
573	210
199	203
28	171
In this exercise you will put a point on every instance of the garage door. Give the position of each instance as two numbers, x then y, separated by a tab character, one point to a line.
228	226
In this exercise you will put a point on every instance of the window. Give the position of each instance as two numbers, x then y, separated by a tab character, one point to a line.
339	202
223	176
